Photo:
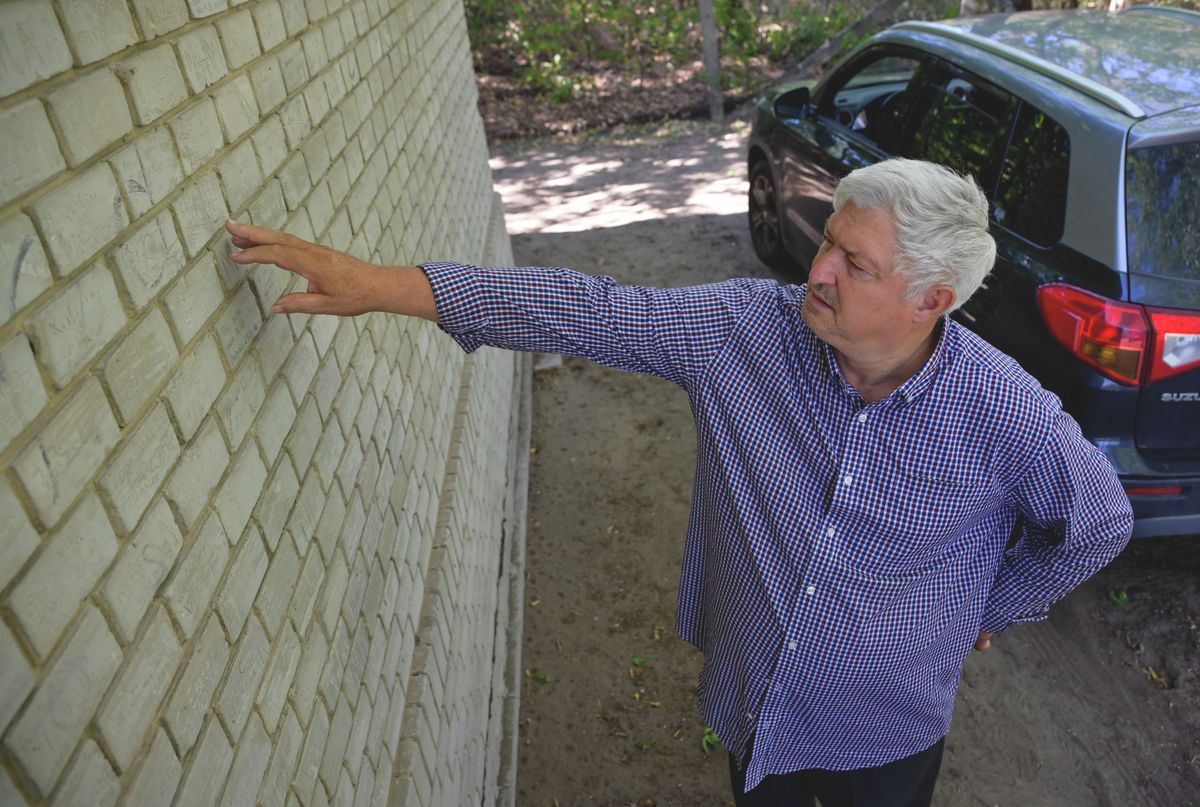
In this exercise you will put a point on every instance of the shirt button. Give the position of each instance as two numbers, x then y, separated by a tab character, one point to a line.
750	715
810	590
847	479
862	418
830	532
791	645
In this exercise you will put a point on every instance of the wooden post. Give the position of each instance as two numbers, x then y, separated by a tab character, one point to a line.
712	59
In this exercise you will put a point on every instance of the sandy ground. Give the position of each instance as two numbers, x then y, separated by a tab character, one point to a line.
1098	706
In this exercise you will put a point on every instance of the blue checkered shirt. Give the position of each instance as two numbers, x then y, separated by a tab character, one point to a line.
841	556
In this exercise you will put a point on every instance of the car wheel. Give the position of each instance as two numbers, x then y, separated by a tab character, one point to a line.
766	233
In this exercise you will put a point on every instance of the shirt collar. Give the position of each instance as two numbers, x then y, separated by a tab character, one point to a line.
912	389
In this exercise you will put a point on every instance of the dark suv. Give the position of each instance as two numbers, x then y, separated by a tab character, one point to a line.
1083	128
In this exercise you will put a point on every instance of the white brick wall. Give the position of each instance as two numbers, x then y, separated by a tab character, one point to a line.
224	529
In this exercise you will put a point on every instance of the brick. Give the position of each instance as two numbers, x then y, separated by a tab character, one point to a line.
237	694
241	585
148	170
201	212
81	216
206	8
355	747
283	760
268	210
159	17
240	491
296	121
43	738
184	713
64	455
329	602
195	386
273	345
270	144
25	270
149	258
306	512
20	538
22	395
97	28
249	766
276	503
195	577
238	325
143	565
89	782
240	403
158	775
208	769
29	153
71	329
154	81
295	19
268	19
315	54
275	422
32	45
194	298
240	174
200	54
294	181
16	677
93	114
266	77
140	466
236	108
198	473
276	591
310	756
197	133
304	598
335	747
295	68
139	689
238	38
138	366
329	453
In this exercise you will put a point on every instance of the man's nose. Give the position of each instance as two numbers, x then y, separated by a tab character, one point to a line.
824	269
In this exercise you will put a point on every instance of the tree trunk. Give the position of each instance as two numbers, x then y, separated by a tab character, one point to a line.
712	59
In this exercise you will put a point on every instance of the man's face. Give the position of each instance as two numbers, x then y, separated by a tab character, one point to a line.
855	298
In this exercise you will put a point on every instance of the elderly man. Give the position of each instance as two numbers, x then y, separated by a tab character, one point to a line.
877	489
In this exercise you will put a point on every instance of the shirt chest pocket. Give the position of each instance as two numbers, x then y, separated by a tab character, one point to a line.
919	492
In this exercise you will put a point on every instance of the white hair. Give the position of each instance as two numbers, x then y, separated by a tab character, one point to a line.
941	221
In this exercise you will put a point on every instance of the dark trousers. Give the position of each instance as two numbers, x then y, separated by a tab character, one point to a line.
906	782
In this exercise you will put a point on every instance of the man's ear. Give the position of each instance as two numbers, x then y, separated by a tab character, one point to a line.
934	302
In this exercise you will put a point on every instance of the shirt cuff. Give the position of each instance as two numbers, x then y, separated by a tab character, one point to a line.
455	296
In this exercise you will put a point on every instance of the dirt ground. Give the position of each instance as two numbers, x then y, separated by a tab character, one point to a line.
1100	705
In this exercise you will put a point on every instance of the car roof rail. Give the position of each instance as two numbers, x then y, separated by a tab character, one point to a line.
1108	97
1179	13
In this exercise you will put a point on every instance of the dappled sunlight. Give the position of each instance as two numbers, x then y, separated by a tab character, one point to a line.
573	187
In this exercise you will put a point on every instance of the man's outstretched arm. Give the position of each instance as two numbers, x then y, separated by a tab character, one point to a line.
337	283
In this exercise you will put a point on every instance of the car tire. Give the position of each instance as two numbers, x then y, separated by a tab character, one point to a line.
766	231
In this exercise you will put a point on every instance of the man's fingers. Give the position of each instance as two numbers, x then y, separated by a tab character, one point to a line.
984	642
301	303
253	234
282	256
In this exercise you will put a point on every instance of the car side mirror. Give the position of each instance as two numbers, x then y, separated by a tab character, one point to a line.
793	104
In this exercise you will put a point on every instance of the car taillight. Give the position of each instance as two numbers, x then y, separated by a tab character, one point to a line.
1129	343
1176	342
1106	334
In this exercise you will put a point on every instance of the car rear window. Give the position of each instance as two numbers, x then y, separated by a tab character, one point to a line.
1162	195
1031	196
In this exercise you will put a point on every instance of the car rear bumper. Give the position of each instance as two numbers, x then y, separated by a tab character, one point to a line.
1160	514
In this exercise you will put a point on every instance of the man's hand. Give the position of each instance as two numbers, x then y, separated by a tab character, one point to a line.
337	283
984	642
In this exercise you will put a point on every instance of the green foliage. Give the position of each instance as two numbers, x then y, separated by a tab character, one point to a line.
547	44
709	741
